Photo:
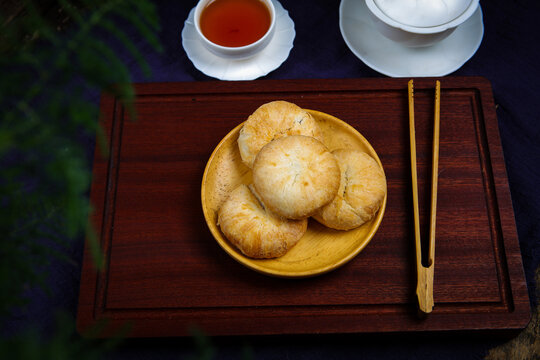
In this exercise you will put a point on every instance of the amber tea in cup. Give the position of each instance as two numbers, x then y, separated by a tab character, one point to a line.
235	23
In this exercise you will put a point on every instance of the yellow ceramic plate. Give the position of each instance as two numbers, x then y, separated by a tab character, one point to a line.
321	249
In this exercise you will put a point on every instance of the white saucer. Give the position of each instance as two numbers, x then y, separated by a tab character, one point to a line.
392	59
275	53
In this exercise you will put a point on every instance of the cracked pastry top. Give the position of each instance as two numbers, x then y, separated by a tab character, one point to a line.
255	230
361	191
295	175
271	121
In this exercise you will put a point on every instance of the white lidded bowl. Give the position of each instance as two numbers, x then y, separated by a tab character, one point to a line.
418	23
240	52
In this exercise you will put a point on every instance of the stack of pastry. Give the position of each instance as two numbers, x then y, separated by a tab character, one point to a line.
295	177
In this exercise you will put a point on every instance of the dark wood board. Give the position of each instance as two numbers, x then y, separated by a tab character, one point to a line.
165	273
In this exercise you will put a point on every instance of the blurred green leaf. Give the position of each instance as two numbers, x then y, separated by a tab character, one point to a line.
138	22
203	346
124	39
45	174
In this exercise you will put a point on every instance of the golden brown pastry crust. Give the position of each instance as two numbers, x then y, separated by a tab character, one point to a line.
253	229
361	191
295	175
271	121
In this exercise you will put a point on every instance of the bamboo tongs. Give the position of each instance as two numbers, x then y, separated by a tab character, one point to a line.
424	287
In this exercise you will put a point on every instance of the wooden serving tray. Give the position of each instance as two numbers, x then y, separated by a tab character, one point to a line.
165	273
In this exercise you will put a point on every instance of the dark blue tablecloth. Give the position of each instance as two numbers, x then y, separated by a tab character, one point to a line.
508	56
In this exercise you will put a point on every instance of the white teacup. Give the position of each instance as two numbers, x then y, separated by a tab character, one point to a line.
428	31
240	52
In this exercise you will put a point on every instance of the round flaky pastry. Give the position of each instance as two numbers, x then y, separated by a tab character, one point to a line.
361	191
255	230
295	175
271	121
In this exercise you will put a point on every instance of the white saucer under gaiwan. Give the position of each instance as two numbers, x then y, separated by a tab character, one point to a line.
269	59
418	23
393	59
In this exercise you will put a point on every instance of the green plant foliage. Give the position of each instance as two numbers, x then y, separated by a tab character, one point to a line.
44	171
62	345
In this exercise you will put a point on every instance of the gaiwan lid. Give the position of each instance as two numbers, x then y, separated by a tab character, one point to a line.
423	13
